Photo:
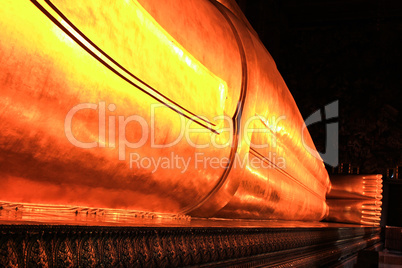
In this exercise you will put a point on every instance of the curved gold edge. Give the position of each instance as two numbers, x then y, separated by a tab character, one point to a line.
56	16
237	115
263	158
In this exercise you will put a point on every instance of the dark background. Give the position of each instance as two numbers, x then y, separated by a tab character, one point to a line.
346	50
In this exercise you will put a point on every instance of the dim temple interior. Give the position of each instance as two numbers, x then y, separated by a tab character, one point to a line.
200	133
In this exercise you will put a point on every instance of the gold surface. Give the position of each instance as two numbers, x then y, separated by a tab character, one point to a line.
25	213
355	199
176	67
354	211
356	186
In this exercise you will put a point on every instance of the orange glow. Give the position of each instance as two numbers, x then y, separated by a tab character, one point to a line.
118	106
356	186
179	68
349	200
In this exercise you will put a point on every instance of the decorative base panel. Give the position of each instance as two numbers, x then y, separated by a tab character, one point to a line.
108	246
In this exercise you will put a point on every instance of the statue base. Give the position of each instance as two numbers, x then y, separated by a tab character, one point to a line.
214	243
